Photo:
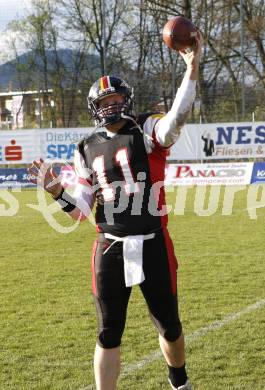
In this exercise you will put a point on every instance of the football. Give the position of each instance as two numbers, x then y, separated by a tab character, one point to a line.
179	33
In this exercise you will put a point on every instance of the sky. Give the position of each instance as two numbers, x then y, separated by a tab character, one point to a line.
10	10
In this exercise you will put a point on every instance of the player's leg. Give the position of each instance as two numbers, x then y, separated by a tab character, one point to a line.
173	351
160	292
111	298
174	354
106	367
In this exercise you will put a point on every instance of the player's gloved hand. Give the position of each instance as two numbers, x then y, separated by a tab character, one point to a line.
42	174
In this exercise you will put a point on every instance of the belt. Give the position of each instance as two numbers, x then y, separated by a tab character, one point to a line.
132	255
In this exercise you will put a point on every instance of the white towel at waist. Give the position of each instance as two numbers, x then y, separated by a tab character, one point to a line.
133	256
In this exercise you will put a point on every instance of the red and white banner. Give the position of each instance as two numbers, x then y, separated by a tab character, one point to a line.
190	174
18	147
209	174
23	146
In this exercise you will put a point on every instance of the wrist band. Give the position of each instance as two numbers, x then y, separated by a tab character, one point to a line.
65	201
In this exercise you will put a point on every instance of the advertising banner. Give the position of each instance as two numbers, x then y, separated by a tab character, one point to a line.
220	141
61	143
18	177
196	142
23	146
175	174
258	173
13	178
209	174
18	147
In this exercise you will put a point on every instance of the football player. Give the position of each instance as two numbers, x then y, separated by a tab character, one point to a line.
121	168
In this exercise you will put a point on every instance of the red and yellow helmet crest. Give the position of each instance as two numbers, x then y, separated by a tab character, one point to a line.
104	83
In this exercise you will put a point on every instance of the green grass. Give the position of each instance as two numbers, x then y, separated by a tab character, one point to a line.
47	315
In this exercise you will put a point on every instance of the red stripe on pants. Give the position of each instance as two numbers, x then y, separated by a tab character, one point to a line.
172	260
94	285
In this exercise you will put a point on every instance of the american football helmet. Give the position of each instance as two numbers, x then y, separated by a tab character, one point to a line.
106	86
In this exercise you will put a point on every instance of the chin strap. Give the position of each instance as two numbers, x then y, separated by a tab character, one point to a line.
148	141
100	124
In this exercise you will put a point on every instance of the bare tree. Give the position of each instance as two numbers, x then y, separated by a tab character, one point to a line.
132	46
87	17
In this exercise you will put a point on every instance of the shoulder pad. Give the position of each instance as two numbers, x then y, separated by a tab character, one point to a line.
89	139
141	118
94	138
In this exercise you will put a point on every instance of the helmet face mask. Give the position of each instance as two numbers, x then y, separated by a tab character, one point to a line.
113	112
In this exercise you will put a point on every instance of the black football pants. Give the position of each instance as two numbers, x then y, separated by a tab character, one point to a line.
159	288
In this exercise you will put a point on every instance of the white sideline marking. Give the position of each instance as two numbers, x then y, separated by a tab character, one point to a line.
193	336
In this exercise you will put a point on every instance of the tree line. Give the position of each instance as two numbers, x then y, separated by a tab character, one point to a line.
126	39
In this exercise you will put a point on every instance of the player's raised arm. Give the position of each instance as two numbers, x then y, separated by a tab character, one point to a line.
168	128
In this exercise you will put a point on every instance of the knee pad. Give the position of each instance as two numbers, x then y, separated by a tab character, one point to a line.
109	338
172	332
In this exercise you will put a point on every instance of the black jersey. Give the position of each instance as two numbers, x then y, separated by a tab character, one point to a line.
127	175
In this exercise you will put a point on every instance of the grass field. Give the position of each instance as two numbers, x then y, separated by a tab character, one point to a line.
47	316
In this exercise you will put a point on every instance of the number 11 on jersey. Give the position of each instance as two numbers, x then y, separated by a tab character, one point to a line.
122	159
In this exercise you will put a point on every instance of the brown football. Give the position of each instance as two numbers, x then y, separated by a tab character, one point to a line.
179	33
